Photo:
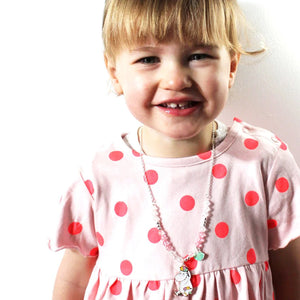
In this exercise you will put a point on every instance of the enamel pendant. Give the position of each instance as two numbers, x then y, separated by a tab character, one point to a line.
184	284
199	256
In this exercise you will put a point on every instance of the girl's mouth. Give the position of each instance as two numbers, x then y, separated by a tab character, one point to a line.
182	105
180	109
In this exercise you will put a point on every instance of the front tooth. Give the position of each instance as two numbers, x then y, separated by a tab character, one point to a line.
172	105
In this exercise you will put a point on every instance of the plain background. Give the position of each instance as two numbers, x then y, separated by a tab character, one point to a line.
56	106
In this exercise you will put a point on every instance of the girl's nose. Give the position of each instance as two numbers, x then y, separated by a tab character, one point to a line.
175	77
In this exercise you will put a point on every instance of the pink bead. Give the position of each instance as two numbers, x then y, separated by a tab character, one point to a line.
166	243
164	238
169	248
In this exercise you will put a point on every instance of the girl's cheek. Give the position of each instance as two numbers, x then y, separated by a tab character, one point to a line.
210	85
143	83
216	90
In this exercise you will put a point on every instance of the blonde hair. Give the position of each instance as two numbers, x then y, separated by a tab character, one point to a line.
209	22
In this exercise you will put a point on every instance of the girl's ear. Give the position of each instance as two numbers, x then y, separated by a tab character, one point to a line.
235	59
112	71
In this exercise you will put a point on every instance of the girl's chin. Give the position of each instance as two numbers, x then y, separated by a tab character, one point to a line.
184	134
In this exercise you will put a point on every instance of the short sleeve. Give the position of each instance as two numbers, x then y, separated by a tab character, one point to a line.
74	226
283	193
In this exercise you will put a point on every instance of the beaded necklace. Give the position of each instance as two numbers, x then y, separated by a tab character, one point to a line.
183	278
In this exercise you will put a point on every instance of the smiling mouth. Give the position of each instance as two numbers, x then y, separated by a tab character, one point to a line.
182	105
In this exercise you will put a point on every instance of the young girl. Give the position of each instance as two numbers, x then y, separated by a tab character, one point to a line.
184	206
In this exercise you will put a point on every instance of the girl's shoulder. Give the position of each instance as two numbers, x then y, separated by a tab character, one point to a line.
252	145
113	152
256	139
113	148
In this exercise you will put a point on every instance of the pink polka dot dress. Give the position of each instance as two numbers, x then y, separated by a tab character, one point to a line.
107	213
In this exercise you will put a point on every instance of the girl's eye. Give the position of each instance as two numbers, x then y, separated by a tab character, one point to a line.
199	56
149	60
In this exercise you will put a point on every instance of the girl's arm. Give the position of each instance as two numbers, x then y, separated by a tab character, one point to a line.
73	276
285	266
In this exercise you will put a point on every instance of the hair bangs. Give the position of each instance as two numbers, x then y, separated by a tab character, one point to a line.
132	22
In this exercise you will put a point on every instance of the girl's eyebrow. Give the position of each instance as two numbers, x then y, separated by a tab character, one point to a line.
204	46
188	47
143	49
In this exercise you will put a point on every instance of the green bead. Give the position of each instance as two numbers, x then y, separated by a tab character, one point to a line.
199	256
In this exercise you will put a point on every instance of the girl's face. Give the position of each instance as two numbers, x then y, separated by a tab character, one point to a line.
175	90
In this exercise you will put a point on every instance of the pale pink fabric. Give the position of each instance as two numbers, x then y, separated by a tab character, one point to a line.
256	207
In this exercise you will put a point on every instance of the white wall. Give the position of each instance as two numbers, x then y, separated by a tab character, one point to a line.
55	106
267	90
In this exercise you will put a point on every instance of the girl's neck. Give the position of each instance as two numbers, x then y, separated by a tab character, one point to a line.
157	145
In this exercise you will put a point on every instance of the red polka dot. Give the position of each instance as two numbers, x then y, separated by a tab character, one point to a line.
153	285
222	230
195	280
282	185
283	146
272	223
251	144
251	198
94	291
154	236
191	263
266	266
75	228
135	153
187	203
235	276
260	281
126	267
116	288
251	256
151	177
116	155
89	186
94	252
237	120
219	171
100	239
205	155
121	209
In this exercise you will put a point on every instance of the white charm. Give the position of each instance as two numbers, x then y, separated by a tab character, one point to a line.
183	279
